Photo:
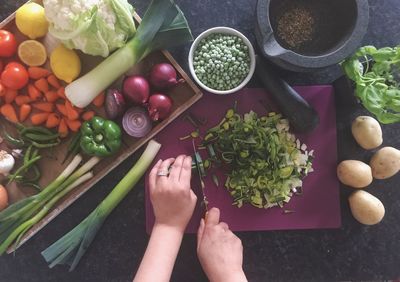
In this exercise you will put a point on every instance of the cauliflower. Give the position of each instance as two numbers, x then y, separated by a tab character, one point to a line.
96	27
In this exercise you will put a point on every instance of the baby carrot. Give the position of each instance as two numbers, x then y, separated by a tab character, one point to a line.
72	113
53	120
38	72
44	106
88	115
73	125
61	93
99	100
8	111
53	81
24	112
33	92
10	96
22	99
62	109
51	96
39	118
42	85
62	128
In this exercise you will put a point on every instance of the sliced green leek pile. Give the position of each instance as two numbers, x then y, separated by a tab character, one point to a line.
266	162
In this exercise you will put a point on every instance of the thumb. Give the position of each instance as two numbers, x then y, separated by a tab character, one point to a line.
200	233
212	217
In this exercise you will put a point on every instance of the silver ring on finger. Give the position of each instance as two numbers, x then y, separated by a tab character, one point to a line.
163	173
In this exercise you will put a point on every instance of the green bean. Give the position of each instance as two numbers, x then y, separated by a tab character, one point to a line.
19	143
24	167
45	145
35	130
41	136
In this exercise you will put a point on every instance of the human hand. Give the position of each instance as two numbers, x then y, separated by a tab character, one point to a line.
171	196
219	250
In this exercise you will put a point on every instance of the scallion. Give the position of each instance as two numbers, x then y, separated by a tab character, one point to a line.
72	246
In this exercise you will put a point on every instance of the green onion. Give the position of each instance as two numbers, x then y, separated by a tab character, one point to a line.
18	218
163	26
72	246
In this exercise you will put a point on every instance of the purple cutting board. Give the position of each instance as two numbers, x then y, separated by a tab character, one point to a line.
319	205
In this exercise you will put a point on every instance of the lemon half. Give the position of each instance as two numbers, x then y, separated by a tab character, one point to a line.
32	53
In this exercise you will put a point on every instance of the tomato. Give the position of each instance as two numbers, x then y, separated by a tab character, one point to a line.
14	76
1	66
8	44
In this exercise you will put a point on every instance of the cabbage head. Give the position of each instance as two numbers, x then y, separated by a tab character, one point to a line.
96	27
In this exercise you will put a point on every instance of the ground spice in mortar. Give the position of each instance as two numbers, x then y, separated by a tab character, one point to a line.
296	26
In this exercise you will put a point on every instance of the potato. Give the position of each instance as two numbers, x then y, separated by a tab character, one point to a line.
354	173
367	132
385	163
366	208
3	198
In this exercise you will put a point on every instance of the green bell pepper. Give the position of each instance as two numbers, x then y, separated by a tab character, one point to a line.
100	137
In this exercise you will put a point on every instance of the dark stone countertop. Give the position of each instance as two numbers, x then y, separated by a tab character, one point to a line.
353	252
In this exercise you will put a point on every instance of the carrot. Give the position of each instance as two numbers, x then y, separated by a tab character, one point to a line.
22	99
51	96
88	115
39	118
33	92
61	93
44	106
24	112
63	128
42	85
53	81
53	120
37	72
10	96
73	125
62	109
2	90
8	111
72	113
99	100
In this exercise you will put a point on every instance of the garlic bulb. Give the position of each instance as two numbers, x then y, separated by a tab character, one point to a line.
6	162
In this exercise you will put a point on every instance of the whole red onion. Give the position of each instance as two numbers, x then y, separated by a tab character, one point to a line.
136	89
163	76
159	106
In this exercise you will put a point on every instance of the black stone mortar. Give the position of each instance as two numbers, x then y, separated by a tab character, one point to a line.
338	28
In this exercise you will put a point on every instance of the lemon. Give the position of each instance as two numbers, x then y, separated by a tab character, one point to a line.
65	63
31	20
32	53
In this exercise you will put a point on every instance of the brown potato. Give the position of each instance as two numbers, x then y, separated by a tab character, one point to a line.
385	163
3	197
366	208
367	132
354	173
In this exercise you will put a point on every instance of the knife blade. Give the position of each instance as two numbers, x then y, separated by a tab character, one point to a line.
197	160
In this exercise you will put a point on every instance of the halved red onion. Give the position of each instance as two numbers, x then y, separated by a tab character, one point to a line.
136	122
115	103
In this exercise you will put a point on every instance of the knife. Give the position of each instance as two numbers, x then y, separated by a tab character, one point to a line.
197	160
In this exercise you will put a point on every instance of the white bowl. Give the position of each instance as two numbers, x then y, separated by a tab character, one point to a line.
223	30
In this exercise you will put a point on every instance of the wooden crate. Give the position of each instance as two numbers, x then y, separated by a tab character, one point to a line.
184	95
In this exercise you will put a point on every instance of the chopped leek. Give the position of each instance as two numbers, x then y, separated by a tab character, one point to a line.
72	246
163	26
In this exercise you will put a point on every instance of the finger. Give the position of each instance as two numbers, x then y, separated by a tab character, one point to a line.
224	226
212	217
200	233
164	166
153	174
186	171
176	168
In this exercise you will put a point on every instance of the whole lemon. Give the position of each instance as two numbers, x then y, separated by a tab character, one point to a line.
65	63
31	20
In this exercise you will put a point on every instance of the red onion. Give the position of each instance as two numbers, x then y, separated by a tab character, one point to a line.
115	103
163	76
136	122
136	89
159	106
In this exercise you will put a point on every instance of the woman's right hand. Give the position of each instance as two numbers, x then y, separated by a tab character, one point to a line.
219	250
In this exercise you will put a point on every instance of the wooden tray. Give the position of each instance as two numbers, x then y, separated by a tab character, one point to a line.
184	95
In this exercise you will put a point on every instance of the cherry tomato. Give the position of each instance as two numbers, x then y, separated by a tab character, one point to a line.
8	44
14	76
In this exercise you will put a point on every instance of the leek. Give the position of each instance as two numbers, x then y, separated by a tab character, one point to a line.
72	246
18	218
163	26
